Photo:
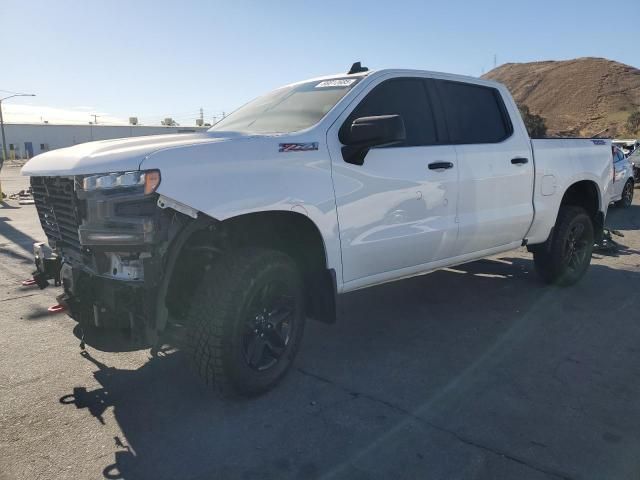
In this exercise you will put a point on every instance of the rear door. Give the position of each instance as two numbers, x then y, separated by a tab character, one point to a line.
395	212
495	167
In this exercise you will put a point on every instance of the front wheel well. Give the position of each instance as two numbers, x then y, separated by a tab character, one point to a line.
291	233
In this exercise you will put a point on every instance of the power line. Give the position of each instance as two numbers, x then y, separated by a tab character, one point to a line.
10	91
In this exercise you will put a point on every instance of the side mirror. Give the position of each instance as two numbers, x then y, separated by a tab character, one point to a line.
367	132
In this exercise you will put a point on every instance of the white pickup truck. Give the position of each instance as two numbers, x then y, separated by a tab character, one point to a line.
237	235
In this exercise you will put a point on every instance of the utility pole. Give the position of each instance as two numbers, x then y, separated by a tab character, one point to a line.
4	142
4	138
495	60
95	118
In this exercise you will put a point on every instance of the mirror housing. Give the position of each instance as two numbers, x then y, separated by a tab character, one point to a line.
367	132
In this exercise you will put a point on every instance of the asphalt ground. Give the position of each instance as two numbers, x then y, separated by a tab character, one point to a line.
480	371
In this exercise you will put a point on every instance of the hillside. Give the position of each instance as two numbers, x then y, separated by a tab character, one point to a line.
576	97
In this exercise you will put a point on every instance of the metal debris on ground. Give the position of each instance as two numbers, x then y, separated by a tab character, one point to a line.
608	244
24	197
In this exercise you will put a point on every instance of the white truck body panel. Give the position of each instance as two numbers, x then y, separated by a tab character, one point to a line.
559	164
389	218
121	154
249	175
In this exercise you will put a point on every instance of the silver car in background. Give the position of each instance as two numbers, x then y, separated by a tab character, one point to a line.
623	178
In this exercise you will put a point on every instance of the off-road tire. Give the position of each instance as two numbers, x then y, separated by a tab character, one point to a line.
627	195
218	315
550	259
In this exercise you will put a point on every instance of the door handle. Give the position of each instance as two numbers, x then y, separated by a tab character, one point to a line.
519	160
440	165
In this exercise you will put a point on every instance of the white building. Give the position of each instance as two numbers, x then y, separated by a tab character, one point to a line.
24	140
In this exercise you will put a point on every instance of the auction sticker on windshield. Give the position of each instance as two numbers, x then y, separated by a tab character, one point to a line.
340	82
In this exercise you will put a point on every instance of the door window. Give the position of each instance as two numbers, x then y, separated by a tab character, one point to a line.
406	97
474	113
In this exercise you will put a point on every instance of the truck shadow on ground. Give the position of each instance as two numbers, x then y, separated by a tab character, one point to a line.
403	350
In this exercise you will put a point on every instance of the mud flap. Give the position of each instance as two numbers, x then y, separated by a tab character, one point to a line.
323	296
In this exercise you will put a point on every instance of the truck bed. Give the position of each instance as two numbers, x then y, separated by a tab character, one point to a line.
560	162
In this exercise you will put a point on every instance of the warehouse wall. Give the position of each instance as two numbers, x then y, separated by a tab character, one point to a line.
43	137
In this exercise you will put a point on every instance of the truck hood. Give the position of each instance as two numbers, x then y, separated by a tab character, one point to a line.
118	155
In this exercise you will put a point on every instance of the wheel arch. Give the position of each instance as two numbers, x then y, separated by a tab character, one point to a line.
586	194
200	242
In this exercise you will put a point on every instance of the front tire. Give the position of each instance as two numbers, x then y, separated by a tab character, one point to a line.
627	195
567	255
246	321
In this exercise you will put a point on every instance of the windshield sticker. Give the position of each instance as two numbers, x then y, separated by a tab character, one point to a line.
342	82
598	142
298	147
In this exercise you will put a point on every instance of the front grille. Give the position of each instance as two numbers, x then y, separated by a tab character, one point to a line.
56	204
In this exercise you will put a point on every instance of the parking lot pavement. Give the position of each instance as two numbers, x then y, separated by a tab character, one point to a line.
478	371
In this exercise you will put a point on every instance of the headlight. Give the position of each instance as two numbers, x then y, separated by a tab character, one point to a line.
147	181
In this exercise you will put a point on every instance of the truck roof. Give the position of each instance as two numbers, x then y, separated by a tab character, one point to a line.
402	71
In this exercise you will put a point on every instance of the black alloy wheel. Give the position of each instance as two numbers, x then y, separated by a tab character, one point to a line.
627	195
565	257
577	248
268	329
246	321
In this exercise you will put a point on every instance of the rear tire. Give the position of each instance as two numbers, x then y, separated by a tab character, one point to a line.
627	195
246	321
567	255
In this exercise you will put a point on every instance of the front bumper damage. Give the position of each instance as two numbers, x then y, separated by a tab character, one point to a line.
104	302
113	278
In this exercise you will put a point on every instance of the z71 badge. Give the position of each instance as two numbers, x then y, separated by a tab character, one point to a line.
298	147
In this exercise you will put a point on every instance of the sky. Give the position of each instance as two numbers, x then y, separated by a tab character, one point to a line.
157	59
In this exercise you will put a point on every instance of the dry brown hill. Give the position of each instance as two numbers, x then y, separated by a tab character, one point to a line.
576	97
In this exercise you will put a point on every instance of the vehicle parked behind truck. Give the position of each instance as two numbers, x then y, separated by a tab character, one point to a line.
634	158
623	178
239	235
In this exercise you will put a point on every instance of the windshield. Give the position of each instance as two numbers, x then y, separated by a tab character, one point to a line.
288	109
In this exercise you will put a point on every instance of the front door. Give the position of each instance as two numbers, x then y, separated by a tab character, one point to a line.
395	212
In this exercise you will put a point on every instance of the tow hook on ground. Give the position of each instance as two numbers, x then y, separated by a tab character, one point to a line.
57	308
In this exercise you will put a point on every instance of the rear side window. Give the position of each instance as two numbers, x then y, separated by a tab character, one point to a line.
475	114
617	155
406	97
